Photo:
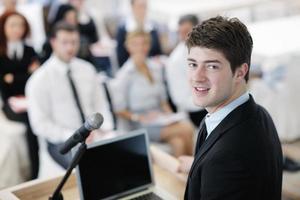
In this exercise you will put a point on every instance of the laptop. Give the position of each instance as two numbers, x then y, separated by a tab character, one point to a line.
118	168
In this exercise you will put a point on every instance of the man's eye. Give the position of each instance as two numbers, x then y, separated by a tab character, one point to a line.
212	67
193	65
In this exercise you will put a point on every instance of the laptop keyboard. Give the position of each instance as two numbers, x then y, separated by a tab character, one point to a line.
148	196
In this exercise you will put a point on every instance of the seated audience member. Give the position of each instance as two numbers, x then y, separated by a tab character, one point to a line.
98	51
86	24
17	62
69	14
137	20
9	5
140	97
66	13
176	73
63	92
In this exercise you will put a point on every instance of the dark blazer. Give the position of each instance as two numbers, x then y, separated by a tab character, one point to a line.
122	53
241	159
19	69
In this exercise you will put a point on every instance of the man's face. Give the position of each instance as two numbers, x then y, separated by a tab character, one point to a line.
65	45
213	83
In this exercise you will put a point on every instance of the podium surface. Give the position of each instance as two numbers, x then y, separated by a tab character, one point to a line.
42	189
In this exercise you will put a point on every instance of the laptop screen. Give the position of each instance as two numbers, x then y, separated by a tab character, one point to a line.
115	167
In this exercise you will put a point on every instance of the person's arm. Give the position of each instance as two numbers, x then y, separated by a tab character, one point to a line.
101	105
166	108
126	114
185	164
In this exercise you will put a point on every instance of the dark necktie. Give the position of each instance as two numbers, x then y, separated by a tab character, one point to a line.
75	94
201	137
15	57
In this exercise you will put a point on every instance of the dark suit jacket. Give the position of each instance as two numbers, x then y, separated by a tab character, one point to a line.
241	159
19	69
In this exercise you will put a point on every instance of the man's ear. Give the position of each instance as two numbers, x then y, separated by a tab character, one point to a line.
241	71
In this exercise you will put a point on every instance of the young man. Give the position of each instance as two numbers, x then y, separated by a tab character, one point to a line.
63	92
238	153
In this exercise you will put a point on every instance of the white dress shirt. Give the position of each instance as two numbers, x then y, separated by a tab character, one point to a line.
176	73
15	48
134	92
52	108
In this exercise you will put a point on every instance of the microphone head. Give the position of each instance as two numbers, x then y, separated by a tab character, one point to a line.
94	121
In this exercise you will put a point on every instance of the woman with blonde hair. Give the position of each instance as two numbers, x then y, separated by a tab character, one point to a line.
141	97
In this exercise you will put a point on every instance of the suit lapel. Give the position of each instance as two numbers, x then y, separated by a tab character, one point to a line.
235	117
199	135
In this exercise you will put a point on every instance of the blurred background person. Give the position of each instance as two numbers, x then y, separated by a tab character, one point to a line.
88	33
140	97
176	73
9	5
87	26
17	62
63	92
66	13
137	20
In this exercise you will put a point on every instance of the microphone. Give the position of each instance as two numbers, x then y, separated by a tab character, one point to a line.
93	122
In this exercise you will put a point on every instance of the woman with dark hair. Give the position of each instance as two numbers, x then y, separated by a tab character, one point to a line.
17	63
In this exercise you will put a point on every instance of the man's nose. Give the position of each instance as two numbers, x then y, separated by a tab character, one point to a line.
200	73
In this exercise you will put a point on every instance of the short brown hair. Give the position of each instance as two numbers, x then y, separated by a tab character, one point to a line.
229	36
63	26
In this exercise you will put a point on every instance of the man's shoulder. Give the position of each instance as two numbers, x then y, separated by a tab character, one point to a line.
41	73
83	65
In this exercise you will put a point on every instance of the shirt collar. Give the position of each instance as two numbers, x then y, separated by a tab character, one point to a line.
15	48
214	119
61	65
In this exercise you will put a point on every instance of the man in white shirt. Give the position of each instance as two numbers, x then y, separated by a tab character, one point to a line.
53	109
176	73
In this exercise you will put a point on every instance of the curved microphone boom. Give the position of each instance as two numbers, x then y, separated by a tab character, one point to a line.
93	122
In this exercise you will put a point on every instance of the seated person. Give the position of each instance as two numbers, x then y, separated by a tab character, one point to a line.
68	14
18	61
137	19
63	92
141	97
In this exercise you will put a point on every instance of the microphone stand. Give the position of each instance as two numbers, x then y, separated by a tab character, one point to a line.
57	195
